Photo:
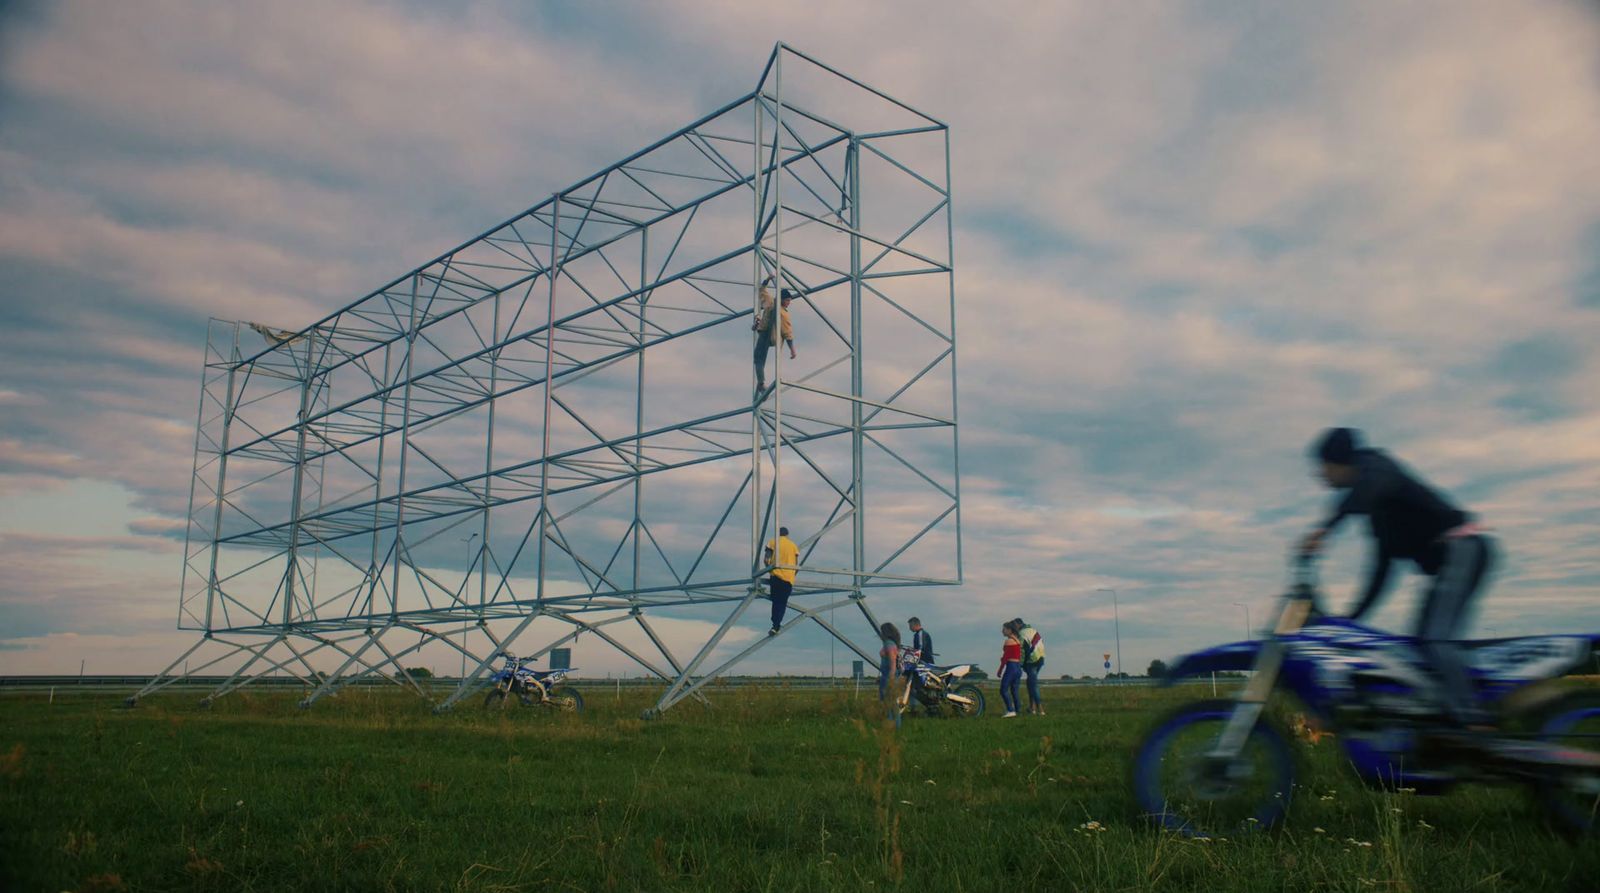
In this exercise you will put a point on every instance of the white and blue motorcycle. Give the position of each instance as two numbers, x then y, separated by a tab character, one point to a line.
533	688
1220	766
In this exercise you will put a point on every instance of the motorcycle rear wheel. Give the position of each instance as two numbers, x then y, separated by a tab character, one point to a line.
969	691
1572	799
1179	787
566	699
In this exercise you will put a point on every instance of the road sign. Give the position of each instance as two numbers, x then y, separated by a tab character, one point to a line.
1107	656
1108	665
858	669
561	658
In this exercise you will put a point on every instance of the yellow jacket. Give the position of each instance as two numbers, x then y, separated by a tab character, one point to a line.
788	560
764	318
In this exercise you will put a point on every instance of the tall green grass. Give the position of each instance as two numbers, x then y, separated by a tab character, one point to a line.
768	790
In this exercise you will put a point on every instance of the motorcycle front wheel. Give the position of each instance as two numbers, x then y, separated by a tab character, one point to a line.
1572	799
566	699
495	699
969	691
1179	785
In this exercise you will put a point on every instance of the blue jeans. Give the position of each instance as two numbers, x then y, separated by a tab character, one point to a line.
885	673
1010	677
1032	671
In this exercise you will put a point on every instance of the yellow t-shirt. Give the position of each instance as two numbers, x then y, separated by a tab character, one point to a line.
788	559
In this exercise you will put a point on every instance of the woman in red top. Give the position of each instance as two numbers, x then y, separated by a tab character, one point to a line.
1010	669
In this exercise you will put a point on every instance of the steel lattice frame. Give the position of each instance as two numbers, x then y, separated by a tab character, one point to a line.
532	395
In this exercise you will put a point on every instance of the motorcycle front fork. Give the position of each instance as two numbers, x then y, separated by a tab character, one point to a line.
1253	700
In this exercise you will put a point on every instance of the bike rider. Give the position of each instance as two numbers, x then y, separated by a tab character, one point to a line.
922	644
1410	521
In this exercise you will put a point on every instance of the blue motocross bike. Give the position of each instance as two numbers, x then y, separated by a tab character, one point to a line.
937	688
1219	766
534	688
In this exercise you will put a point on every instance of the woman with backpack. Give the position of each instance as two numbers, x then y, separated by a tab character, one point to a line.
1032	662
1010	670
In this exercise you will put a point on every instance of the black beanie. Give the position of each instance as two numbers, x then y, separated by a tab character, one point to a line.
1338	446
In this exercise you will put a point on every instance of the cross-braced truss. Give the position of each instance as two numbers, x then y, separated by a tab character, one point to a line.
552	427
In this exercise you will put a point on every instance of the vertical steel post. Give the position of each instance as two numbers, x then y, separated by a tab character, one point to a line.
777	309
955	413
405	449
858	521
638	404
549	365
759	185
222	481
483	553
292	569
373	574
194	476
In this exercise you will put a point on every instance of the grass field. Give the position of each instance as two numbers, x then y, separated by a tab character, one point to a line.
770	790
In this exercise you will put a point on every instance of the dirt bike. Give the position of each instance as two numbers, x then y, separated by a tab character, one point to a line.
534	688
1221	766
937	688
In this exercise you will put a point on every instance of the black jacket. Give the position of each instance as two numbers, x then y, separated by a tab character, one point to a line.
922	640
1408	519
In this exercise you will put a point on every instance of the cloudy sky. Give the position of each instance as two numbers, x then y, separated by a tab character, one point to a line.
1188	236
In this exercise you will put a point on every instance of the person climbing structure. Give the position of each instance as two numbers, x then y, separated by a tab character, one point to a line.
768	328
780	582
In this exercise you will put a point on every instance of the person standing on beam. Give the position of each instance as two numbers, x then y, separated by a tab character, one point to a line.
767	326
783	557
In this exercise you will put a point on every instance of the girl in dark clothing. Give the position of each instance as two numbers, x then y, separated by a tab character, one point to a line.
888	658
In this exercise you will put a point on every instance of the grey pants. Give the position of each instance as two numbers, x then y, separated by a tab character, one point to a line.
1445	613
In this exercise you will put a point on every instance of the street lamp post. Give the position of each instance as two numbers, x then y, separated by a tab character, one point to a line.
1249	633
1116	626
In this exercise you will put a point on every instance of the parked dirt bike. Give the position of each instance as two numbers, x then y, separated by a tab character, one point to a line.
534	688
938	689
1223	765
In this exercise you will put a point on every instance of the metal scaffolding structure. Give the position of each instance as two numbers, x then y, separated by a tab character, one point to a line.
552	428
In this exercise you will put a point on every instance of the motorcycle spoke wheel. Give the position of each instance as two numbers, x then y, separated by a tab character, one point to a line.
494	699
976	694
567	700
1180	785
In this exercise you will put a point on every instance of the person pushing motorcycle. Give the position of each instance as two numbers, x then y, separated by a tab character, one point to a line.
1411	522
